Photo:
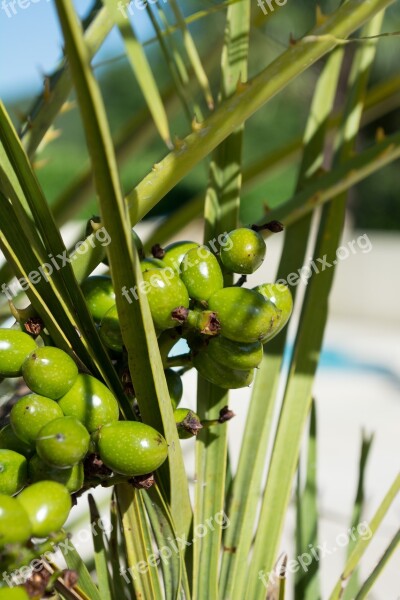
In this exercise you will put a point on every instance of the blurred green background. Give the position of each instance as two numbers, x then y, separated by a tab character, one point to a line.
374	204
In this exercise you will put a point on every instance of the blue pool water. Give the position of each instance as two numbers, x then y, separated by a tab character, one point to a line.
332	359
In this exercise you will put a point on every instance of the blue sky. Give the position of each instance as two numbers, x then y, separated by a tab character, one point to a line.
30	44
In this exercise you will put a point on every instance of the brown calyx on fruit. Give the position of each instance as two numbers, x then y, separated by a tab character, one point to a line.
209	323
157	251
191	423
180	314
37	583
225	414
70	578
143	482
34	325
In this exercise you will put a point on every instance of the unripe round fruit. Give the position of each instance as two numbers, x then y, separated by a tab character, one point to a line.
99	295
281	297
63	442
13	472
10	441
49	372
175	387
221	375
72	478
187	423
151	263
131	448
201	273
90	401
15	526
243	251
235	355
165	291
244	315
110	330
175	252
15	347
47	504
30	414
14	593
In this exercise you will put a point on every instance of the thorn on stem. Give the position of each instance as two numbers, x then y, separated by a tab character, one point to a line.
225	414
241	281
273	226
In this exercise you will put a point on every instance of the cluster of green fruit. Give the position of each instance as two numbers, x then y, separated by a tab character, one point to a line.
70	416
225	327
67	416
